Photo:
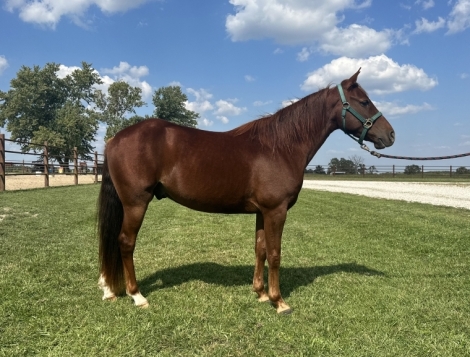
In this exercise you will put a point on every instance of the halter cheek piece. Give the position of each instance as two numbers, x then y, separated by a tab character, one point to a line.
366	123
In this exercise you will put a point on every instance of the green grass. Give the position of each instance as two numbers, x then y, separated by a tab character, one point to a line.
366	277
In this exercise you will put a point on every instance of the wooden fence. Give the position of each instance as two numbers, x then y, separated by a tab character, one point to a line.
395	171
45	165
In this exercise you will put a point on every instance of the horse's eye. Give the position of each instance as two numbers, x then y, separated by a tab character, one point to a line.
365	103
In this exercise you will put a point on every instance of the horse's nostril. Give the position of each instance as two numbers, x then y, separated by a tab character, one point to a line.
392	136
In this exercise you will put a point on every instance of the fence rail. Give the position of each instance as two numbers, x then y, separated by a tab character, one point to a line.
394	171
44	165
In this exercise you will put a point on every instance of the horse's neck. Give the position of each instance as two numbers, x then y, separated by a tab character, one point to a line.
315	136
316	144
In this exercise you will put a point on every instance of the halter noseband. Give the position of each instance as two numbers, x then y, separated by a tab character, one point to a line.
366	123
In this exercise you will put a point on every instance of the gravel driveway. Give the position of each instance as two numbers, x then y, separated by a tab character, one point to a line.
443	194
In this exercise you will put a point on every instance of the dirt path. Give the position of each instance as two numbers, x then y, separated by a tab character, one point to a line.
25	182
443	194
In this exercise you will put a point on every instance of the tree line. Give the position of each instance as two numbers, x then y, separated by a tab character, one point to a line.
355	165
66	112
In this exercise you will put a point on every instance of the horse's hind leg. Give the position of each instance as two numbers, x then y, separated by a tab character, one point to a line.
133	217
260	253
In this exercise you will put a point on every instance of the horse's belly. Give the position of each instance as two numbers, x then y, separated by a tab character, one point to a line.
212	202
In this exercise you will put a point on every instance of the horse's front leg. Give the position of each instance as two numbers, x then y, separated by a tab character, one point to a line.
260	258
133	217
273	226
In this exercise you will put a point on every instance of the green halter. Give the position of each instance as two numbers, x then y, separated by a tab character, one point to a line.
366	123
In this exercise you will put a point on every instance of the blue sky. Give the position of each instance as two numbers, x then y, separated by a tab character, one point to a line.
239	59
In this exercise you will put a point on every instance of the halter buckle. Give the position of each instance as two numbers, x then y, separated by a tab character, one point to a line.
346	105
368	123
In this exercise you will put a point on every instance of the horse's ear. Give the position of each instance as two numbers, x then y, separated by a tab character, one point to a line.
353	78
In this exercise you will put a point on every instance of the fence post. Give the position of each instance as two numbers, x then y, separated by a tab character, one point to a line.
75	164
46	165
95	166
2	162
451	171
422	171
393	171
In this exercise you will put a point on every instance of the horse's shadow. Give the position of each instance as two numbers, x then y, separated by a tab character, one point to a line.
213	273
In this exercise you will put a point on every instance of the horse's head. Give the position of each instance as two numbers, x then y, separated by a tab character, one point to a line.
358	117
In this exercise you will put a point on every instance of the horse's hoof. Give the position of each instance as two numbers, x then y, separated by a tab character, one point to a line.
286	311
283	309
110	298
144	305
263	299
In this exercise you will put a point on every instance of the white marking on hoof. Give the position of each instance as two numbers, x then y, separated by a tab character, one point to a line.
107	293
139	300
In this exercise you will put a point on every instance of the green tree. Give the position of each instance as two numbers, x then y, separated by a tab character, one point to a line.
342	165
412	169
358	162
121	100
40	107
373	170
170	105
462	170
319	170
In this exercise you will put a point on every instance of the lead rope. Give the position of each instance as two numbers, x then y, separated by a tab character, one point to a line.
376	154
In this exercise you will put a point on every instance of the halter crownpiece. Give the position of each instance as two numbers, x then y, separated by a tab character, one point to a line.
366	123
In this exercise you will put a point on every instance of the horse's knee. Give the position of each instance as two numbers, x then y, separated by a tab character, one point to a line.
126	243
274	260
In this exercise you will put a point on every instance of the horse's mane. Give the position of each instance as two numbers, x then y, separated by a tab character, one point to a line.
293	124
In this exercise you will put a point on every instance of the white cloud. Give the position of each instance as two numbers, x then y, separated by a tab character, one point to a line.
130	74
288	102
278	51
125	68
202	103
249	78
306	22
259	103
464	75
3	64
227	107
49	12
123	72
303	55
356	41
459	17
426	4
64	71
379	75
223	119
205	122
390	109
424	25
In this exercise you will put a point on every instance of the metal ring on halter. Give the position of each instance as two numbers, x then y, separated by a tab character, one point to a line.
346	105
368	123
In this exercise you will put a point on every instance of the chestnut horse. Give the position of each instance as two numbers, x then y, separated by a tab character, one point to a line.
256	168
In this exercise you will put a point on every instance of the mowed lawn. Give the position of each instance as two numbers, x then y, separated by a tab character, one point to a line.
366	277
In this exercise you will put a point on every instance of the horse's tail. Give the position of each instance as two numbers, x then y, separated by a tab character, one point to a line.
110	217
